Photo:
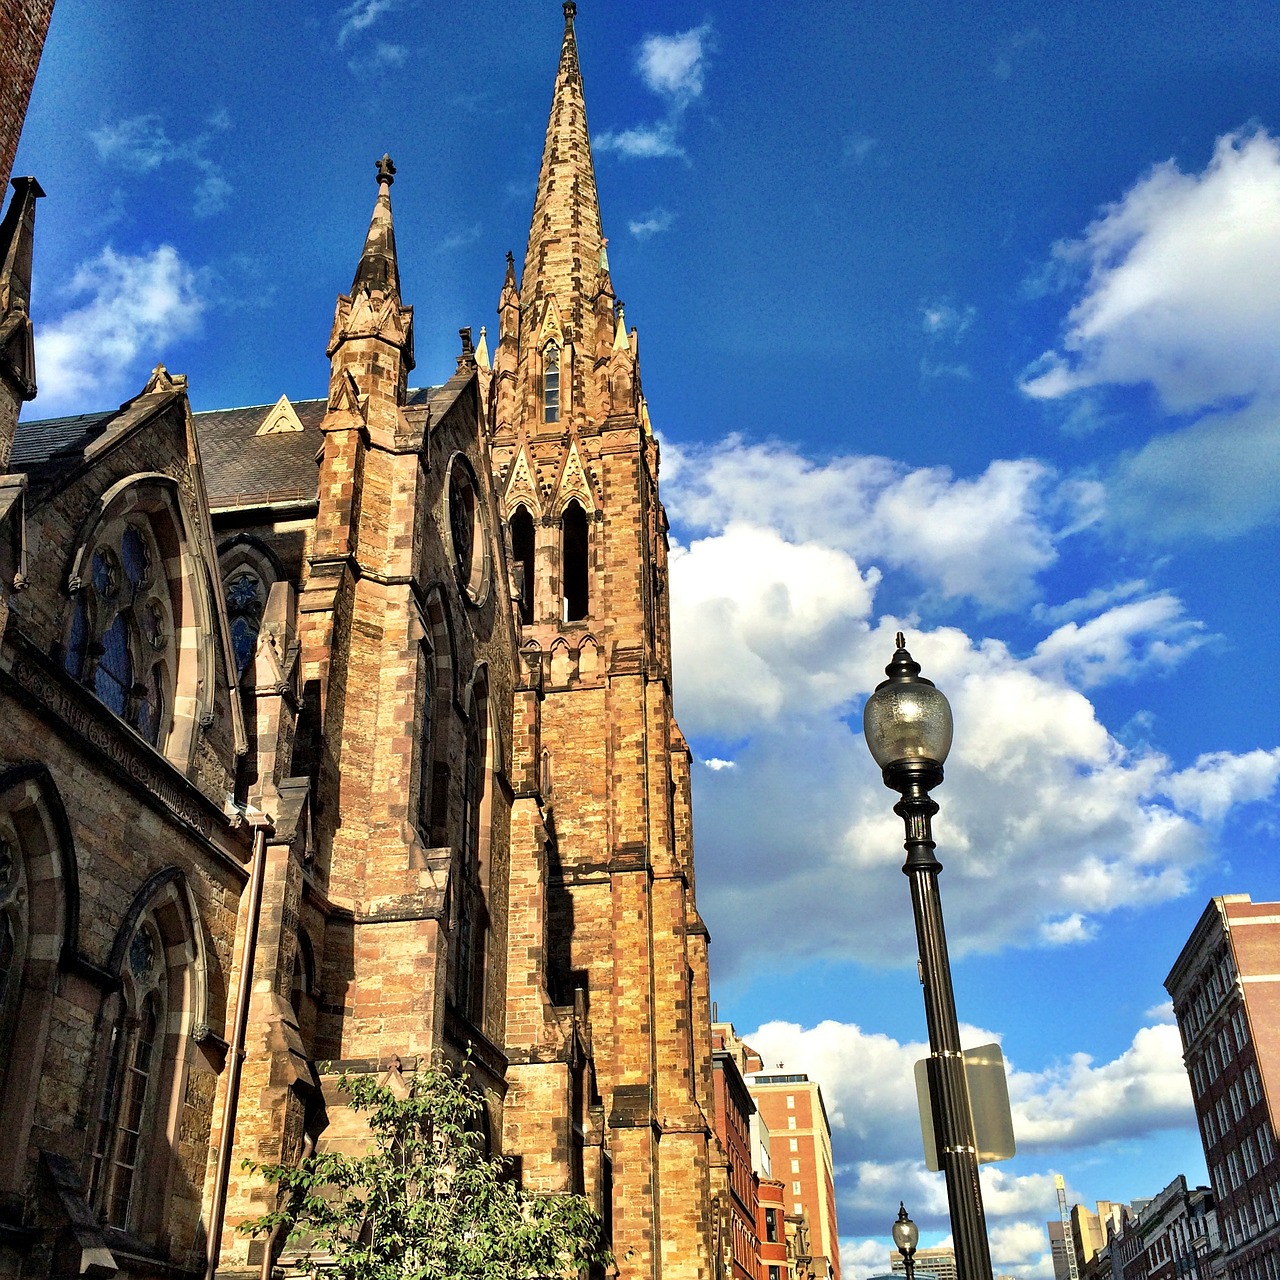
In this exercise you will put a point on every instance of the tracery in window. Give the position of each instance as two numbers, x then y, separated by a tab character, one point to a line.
120	641
246	597
551	383
143	1057
467	534
128	1102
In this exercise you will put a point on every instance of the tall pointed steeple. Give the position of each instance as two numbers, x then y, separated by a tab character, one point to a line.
565	235
378	267
371	345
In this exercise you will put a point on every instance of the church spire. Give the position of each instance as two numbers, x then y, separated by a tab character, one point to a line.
378	269
565	236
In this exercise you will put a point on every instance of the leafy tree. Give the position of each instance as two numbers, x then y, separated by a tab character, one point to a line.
426	1202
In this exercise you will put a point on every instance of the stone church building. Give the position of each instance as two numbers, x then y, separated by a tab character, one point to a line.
338	734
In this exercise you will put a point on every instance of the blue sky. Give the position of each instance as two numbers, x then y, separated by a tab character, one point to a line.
958	322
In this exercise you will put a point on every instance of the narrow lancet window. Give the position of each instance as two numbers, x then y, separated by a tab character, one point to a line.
522	554
573	551
551	383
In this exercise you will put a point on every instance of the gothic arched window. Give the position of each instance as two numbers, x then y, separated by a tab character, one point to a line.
120	643
471	919
128	1102
574	548
522	550
551	383
426	723
144	1058
246	597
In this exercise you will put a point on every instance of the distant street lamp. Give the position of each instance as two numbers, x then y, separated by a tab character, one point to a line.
907	724
906	1235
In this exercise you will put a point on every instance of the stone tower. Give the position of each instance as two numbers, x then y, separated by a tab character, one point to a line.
603	923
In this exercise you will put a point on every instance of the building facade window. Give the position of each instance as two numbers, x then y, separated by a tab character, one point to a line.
551	383
120	643
147	1024
471	919
246	598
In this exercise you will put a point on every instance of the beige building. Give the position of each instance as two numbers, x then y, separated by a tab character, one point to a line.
340	731
792	1109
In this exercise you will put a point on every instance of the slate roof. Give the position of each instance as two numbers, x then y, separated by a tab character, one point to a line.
38	443
241	467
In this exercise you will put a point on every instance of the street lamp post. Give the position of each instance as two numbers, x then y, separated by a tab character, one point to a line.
906	1235
907	724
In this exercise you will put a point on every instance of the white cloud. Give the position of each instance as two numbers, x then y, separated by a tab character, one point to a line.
135	308
359	16
1218	781
777	567
867	1082
1078	1103
644	142
651	223
461	238
1182	295
1183	287
140	145
675	66
1124	640
717	764
984	537
944	318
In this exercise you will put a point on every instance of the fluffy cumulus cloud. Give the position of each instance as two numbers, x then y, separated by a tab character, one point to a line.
141	145
674	67
651	224
868	1086
780	632
1181	295
131	308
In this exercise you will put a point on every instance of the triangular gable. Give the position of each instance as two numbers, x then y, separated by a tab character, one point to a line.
280	417
573	482
551	328
521	486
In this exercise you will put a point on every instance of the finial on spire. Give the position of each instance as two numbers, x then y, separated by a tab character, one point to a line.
570	11
378	268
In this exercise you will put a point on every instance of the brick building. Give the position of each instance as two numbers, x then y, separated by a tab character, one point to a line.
341	731
735	1182
1225	987
800	1153
771	1230
23	25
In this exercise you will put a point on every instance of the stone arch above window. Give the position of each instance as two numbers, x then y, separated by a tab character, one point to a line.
38	923
139	633
158	958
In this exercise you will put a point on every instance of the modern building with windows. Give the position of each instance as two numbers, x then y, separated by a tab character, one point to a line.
340	731
800	1154
1225	987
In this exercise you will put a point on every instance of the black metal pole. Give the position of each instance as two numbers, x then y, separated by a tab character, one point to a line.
948	1089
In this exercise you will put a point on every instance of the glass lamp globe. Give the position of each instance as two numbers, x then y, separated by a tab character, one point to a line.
906	718
906	1235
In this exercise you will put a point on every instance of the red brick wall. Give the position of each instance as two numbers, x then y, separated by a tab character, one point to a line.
23	24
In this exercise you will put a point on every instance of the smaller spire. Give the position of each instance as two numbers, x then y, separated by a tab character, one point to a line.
379	269
570	12
620	342
482	351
